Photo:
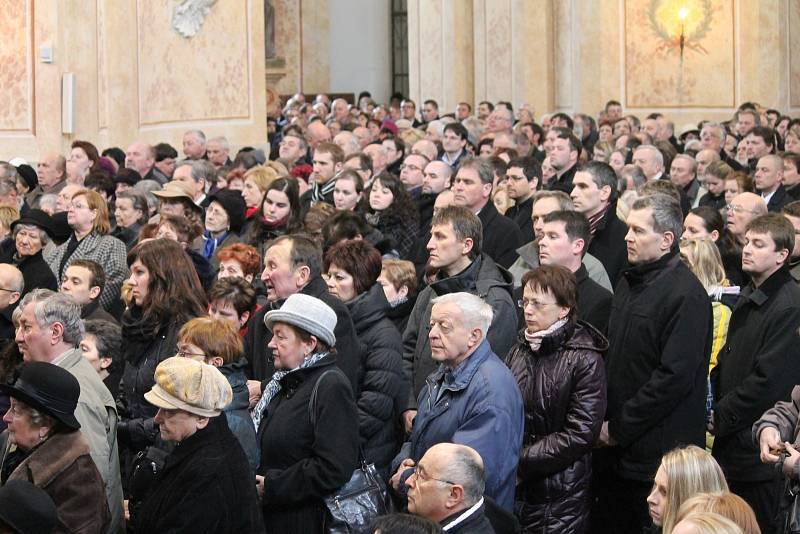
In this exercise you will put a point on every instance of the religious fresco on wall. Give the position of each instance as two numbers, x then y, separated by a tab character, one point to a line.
679	53
15	67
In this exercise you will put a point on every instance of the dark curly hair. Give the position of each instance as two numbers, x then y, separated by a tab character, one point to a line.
402	207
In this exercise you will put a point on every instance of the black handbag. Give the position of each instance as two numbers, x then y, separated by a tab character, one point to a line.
355	507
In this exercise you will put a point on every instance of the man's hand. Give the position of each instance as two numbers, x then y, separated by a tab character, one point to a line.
712	429
405	464
254	390
260	486
789	465
408	419
605	439
769	441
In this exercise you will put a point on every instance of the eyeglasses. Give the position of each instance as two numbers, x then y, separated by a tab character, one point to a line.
738	209
183	353
524	303
418	473
9	290
78	206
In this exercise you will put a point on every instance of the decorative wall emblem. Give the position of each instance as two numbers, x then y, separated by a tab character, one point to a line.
680	24
189	15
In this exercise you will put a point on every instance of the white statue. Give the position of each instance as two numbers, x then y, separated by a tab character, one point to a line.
189	15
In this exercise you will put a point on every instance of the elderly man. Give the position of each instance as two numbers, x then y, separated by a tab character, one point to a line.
218	151
650	160
379	157
412	173
659	334
455	256
347	142
198	175
317	133
426	148
52	173
447	487
471	399
704	158
140	157
194	145
50	329
743	209
500	120
293	149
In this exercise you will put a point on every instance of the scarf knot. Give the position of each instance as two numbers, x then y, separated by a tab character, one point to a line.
534	339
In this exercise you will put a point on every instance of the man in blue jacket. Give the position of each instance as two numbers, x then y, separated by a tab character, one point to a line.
471	399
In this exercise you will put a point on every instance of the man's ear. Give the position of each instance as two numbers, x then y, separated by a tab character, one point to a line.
94	292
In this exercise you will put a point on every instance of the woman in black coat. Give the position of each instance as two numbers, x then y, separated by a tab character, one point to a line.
205	484
309	450
165	293
353	268
30	234
559	367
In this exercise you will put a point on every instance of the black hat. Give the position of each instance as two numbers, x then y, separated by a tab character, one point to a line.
37	218
49	389
28	175
233	203
61	228
26	508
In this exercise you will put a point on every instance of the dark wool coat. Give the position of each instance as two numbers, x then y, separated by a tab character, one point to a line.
501	236
301	463
349	352
206	486
563	387
383	388
608	244
758	366
659	335
35	271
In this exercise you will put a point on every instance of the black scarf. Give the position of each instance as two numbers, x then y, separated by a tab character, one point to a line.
138	332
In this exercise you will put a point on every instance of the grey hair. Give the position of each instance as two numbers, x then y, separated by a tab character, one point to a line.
479	165
48	201
438	125
658	155
667	215
51	307
146	187
38	419
199	135
8	172
476	313
43	237
720	129
201	170
465	467
691	160
223	142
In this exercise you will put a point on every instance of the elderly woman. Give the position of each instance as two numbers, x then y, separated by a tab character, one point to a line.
559	367
308	450
30	234
216	342
353	268
205	484
224	219
101	346
239	261
399	281
90	240
131	213
43	445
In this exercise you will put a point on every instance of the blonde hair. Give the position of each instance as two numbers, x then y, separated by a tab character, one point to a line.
690	470
8	214
710	523
101	225
262	177
726	504
703	258
401	273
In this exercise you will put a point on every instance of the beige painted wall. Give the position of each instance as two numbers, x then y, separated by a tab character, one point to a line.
574	55
135	76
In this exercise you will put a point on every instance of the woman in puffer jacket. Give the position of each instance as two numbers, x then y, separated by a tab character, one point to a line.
558	365
352	270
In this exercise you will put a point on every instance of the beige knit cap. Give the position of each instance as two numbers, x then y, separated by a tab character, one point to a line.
189	385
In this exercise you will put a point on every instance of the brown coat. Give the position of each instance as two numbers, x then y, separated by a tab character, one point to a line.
63	468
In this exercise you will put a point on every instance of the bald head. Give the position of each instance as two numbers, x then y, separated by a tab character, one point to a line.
743	208
140	157
12	280
318	133
378	156
347	142
426	148
704	158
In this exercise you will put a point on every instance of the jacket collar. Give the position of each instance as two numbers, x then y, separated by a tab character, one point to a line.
460	377
529	252
488	214
463	516
52	457
771	286
463	281
639	274
610	211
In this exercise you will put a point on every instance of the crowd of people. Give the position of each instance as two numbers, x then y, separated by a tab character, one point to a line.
563	323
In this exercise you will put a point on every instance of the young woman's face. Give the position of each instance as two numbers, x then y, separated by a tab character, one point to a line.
276	206
380	197
252	194
657	500
139	282
345	196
